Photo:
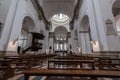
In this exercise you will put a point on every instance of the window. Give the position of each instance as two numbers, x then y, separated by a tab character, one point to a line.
110	28
61	46
60	18
65	46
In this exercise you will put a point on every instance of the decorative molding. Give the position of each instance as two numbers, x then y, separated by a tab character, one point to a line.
41	14
84	32
109	52
76	13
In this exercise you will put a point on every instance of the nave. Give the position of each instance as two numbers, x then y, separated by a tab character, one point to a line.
59	39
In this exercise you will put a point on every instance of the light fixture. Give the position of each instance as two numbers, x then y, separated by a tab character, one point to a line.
15	41
93	42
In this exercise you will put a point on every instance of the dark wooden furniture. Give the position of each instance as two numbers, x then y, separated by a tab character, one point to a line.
35	45
71	63
6	70
78	73
109	64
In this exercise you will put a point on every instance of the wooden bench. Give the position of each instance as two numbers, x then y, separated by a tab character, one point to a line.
70	63
73	57
19	62
110	64
74	73
6	70
24	61
68	58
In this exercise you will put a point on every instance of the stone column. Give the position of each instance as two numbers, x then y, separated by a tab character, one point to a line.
85	43
8	26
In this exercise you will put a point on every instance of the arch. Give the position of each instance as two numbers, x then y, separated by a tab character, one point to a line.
28	24
109	27
60	32
25	38
85	23
116	14
59	28
85	35
116	8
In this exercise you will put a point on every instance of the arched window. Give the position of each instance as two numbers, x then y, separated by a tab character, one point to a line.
65	46
110	28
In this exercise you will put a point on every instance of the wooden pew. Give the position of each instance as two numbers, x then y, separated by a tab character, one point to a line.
74	57
6	70
110	64
18	62
27	61
70	63
68	58
74	73
100	61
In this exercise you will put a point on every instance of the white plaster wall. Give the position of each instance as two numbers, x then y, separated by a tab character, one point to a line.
4	8
72	41
77	27
112	41
8	25
98	11
17	12
45	40
87	8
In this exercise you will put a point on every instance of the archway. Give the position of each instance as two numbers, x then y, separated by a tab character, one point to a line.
25	38
116	14
60	38
85	35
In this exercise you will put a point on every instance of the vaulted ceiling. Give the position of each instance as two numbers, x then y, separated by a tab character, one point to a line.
52	7
48	8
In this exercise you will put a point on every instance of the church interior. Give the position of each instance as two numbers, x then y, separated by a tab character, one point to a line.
59	39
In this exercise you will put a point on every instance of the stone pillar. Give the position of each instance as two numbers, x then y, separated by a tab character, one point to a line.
63	46
51	45
68	43
85	43
8	26
51	41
